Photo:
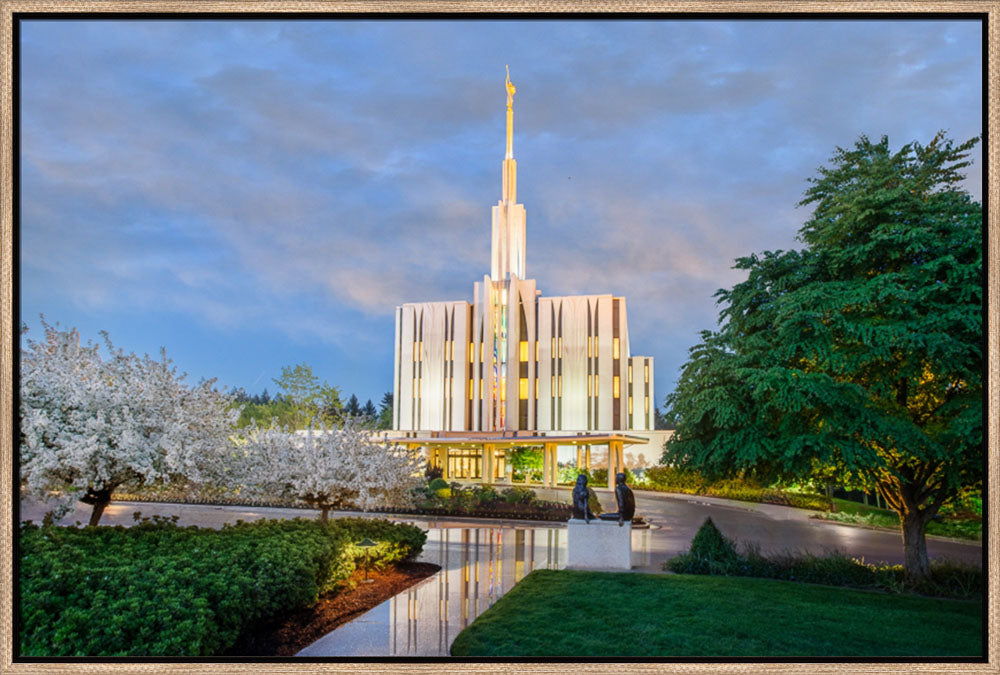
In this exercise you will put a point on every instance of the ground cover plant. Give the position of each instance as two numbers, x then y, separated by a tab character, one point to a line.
583	614
688	481
960	525
156	589
714	554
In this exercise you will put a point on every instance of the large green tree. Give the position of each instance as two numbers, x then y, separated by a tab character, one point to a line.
309	399
859	358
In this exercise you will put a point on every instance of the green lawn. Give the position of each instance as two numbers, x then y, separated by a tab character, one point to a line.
575	613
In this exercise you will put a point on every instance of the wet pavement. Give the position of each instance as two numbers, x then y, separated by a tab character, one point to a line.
675	518
478	565
481	560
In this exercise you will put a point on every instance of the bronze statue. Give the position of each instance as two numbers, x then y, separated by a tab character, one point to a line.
626	502
581	496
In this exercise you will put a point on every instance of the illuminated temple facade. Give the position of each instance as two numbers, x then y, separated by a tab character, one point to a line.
513	360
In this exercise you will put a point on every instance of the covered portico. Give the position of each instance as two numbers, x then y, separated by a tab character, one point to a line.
488	450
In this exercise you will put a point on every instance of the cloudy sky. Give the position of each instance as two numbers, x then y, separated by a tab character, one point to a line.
253	194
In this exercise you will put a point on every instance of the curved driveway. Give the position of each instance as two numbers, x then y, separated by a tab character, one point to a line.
675	517
775	529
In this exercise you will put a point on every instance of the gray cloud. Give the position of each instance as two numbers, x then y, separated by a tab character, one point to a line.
304	178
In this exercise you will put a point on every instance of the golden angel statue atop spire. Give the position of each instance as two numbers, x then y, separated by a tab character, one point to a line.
511	90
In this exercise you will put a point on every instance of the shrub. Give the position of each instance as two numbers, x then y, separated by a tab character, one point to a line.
437	484
157	589
432	472
443	493
518	495
711	553
683	480
486	494
747	488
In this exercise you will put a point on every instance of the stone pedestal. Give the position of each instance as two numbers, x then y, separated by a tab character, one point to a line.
599	544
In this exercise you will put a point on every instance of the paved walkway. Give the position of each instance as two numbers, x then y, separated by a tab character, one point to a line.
675	517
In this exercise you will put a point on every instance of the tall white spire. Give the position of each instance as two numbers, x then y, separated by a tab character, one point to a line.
508	216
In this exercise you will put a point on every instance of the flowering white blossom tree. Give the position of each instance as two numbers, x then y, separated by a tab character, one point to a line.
90	425
330	468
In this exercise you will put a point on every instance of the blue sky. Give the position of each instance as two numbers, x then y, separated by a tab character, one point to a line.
253	194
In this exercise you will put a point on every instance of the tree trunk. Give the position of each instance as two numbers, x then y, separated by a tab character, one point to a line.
915	547
95	515
99	499
324	510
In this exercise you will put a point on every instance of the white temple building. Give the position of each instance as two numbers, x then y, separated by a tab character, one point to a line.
515	368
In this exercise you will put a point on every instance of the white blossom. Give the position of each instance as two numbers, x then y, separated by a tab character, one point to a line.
349	467
91	424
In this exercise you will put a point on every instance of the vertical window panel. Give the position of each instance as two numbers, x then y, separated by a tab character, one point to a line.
616	348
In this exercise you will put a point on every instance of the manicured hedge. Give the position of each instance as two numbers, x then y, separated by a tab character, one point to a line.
157	589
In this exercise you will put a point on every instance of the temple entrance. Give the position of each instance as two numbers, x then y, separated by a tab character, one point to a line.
484	455
465	463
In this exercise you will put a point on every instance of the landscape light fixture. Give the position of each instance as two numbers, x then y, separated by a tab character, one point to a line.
366	544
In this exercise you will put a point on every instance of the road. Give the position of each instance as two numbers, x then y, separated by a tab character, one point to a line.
675	519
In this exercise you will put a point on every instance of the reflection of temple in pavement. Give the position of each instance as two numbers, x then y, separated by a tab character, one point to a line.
478	565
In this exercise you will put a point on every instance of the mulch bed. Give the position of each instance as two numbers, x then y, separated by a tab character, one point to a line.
289	633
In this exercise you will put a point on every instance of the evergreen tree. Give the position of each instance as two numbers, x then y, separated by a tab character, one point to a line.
368	410
858	359
385	411
353	408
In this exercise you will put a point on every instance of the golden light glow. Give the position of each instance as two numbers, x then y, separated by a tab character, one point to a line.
472	353
616	348
645	374
646	402
596	348
523	388
523	350
630	405
597	382
630	373
560	385
536	350
471	390
480	390
616	386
